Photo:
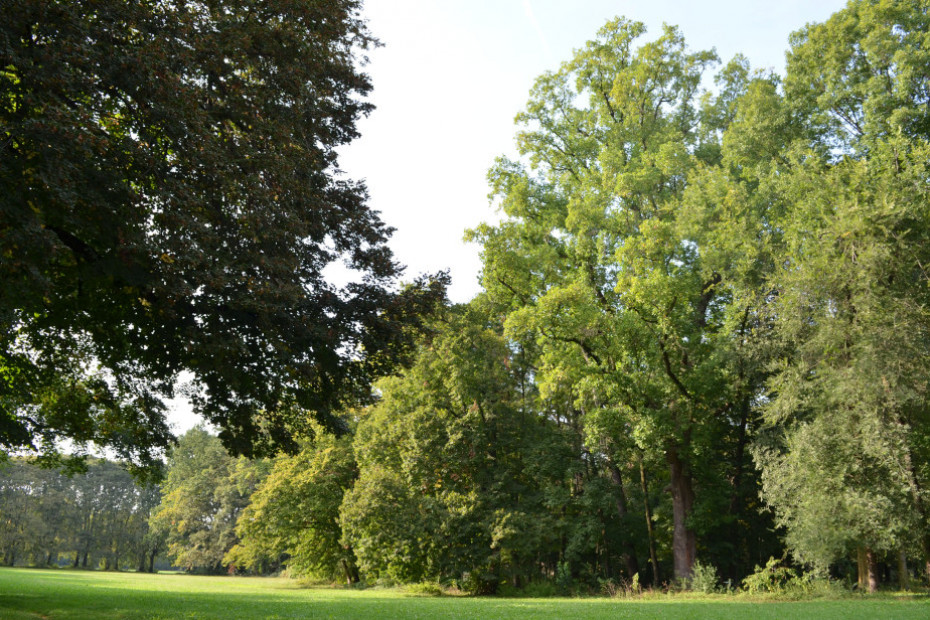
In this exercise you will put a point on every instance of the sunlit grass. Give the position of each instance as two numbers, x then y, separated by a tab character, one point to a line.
78	595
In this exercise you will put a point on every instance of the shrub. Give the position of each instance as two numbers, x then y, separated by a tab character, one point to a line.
425	588
624	588
563	577
703	578
774	577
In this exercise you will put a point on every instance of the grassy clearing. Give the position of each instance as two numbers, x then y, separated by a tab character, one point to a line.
75	595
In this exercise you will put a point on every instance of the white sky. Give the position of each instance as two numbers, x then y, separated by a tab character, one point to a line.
453	74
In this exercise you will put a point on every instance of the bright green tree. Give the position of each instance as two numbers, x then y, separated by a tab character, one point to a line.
204	492
630	251
293	515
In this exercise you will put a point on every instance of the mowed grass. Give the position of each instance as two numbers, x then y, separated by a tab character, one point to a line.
76	595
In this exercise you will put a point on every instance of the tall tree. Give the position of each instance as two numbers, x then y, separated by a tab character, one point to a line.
623	243
845	464
169	200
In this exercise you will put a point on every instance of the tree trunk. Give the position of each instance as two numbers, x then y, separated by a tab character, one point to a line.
927	558
862	567
629	552
872	562
868	569
152	560
649	532
904	578
684	542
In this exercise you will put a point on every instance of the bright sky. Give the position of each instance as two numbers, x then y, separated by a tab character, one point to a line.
453	74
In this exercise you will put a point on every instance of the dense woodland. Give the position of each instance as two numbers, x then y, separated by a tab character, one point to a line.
702	341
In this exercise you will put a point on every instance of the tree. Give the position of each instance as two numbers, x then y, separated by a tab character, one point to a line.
458	479
293	516
844	464
97	517
169	200
627	249
204	492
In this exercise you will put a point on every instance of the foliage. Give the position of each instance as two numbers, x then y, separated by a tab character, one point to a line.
704	578
844	463
204	492
169	201
633	261
293	515
99	518
683	284
774	577
455	476
425	588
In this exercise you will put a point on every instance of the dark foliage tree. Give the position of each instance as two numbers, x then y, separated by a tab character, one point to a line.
169	200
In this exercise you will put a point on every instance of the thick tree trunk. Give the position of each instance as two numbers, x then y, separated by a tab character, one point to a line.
629	552
649	532
872	562
868	569
684	542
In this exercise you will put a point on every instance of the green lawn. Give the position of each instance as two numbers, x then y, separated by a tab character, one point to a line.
64	594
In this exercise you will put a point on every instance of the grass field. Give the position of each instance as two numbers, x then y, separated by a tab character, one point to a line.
72	595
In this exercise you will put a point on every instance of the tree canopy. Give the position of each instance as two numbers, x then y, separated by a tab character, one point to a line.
170	200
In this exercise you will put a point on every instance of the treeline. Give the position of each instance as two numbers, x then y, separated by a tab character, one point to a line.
703	338
98	519
703	335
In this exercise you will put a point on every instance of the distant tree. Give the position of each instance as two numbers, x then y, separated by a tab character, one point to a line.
96	518
169	201
204	492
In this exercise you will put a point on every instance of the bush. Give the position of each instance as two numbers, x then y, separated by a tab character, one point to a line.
425	588
774	577
778	579
563	577
624	588
703	578
536	589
